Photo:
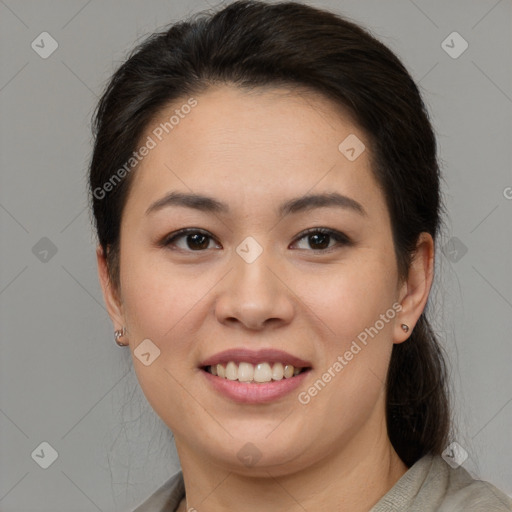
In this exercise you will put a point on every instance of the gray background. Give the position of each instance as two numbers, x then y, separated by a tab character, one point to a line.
62	378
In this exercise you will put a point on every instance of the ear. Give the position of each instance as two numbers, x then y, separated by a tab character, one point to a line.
416	288
114	305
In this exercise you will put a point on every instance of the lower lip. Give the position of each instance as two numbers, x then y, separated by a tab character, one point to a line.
255	393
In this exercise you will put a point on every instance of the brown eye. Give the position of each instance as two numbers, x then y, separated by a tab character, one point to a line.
193	240
197	241
319	239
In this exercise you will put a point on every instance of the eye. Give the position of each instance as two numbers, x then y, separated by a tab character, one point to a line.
320	238
197	240
194	240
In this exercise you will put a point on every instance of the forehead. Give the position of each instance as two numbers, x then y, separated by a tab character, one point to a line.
266	143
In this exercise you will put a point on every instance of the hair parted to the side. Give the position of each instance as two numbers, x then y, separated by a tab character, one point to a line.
255	44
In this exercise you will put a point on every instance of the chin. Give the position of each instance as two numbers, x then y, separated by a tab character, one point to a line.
260	454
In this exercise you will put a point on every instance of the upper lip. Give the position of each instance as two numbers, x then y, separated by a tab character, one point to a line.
270	355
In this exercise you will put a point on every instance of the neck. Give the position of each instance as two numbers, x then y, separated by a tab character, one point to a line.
353	479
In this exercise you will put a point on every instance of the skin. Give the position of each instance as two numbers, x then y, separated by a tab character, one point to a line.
254	150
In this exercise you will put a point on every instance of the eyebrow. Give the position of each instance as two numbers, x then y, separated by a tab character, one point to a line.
300	204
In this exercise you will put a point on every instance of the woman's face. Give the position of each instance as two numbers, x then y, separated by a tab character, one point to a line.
248	285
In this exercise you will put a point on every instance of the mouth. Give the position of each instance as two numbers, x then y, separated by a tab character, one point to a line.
254	377
259	373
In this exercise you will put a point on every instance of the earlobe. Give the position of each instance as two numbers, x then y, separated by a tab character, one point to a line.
110	297
416	288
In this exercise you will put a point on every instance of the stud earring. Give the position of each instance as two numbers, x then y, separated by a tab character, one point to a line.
118	334
405	327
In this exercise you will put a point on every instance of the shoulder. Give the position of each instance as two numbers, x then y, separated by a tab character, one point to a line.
431	485
464	493
166	498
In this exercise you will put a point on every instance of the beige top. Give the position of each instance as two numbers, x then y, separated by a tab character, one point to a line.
430	485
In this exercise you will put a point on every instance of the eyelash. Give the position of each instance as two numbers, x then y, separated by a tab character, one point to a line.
340	238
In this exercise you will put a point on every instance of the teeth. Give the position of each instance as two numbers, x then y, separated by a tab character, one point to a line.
247	372
262	373
277	371
231	371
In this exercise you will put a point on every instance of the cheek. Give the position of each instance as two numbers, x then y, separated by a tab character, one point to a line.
351	297
165	307
351	375
157	296
356	303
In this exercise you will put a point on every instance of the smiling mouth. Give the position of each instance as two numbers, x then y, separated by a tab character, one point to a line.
260	373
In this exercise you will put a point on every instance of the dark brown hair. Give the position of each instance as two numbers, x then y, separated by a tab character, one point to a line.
254	44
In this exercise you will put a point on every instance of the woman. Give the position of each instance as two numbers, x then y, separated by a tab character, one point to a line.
265	189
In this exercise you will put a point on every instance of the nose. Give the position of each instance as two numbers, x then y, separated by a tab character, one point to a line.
254	295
